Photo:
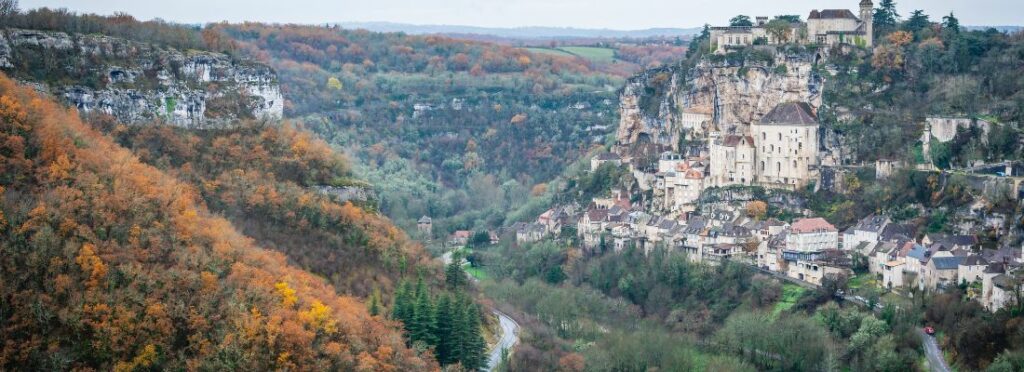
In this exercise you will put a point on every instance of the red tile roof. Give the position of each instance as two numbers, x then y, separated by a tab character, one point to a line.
808	225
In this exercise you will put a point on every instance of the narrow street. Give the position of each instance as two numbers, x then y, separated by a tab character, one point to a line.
936	362
509	338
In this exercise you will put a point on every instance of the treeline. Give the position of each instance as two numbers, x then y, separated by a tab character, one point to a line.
112	264
448	323
119	25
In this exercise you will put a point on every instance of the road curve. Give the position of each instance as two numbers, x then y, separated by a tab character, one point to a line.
509	339
936	361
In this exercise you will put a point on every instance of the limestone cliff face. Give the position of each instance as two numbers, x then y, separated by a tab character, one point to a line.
141	83
657	104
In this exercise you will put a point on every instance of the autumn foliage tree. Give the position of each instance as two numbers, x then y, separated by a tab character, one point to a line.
111	264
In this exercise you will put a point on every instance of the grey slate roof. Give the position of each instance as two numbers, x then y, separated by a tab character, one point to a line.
947	263
831	14
792	113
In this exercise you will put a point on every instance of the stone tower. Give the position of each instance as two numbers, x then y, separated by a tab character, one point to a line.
867	15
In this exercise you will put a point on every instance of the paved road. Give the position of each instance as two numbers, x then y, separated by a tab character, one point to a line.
936	361
509	339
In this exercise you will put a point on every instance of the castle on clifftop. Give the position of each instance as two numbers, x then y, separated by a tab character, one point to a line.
827	27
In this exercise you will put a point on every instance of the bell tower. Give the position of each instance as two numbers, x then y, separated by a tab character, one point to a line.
867	19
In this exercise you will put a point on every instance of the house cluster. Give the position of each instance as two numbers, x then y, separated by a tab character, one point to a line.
548	223
779	151
935	261
823	27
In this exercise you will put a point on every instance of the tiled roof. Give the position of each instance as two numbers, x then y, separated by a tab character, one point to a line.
831	14
947	263
793	113
424	219
974	260
894	231
807	225
734	140
872	223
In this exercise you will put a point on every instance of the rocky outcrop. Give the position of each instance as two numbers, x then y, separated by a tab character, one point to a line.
142	83
657	104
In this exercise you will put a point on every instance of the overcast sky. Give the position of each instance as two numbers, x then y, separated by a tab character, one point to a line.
614	14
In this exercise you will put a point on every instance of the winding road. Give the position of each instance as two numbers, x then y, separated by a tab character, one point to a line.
509	329
936	361
509	339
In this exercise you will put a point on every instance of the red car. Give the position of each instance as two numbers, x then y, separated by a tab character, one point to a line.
929	330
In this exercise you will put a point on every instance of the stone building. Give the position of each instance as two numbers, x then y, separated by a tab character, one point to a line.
425	226
732	160
841	26
787	146
825	27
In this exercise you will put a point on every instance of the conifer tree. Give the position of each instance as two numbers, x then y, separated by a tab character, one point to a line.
474	355
402	309
454	277
374	307
424	326
443	329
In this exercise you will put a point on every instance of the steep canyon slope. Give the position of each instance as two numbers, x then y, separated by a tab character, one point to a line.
658	104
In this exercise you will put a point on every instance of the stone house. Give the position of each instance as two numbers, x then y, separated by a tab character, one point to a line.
810	236
868	229
786	152
460	238
604	157
732	160
840	26
425	226
892	274
941	271
972	269
531	232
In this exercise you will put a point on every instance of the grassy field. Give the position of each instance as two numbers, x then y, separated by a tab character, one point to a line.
791	293
861	280
476	272
595	54
554	52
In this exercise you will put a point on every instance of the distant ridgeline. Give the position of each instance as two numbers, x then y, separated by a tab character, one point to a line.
141	82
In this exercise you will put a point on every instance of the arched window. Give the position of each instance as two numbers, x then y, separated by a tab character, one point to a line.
780	136
778	166
762	165
794	164
764	135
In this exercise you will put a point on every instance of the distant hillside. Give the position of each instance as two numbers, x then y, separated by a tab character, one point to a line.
1006	29
520	32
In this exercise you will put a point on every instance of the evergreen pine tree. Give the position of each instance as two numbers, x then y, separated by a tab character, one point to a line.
374	307
474	355
885	16
424	324
443	329
402	309
454	277
460	331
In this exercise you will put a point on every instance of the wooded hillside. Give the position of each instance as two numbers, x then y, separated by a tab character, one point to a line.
109	263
